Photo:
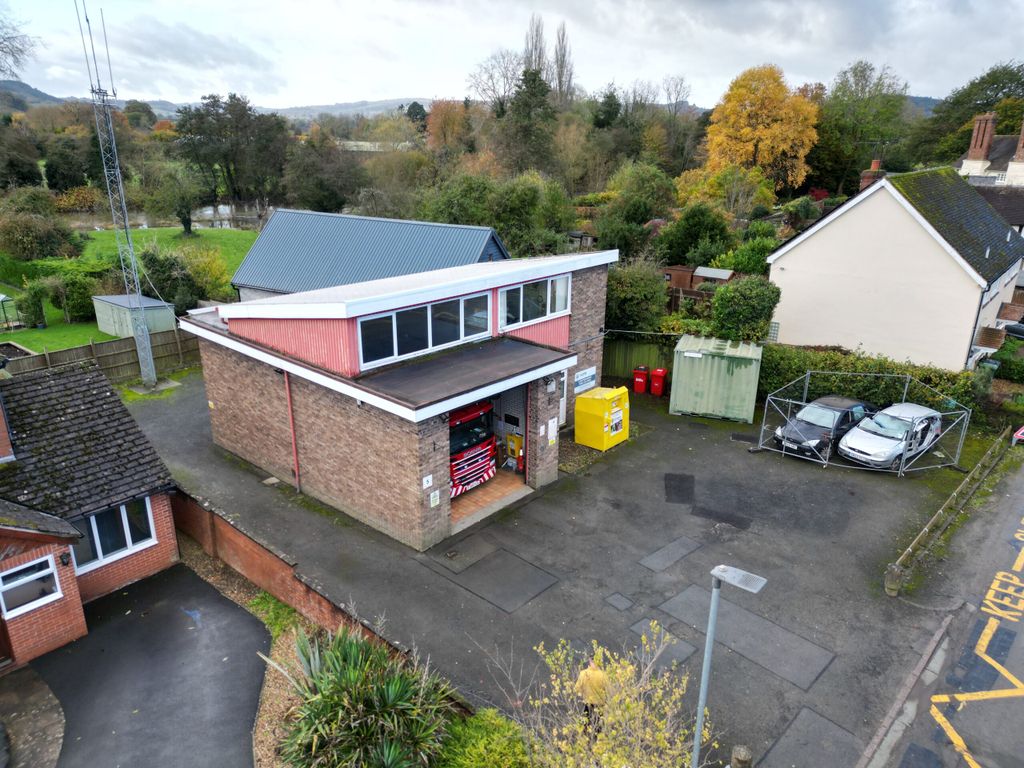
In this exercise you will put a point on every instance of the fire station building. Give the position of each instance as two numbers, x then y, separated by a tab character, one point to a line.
418	404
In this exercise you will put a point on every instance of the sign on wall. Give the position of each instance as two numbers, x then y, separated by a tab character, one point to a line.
584	380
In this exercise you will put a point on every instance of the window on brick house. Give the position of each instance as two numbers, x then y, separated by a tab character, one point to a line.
112	534
533	302
28	586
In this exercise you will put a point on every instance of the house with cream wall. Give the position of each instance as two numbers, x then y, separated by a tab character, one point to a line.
916	267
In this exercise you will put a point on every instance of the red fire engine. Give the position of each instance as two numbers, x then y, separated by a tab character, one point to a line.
473	453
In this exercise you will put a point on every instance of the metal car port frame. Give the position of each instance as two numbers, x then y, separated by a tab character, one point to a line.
790	398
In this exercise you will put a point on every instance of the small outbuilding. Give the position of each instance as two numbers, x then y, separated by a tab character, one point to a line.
713	377
114	315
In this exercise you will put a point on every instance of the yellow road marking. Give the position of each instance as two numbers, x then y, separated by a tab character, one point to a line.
955	738
1018	564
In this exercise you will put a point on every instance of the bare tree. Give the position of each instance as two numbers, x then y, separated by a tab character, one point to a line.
15	48
495	79
535	49
562	67
677	91
639	98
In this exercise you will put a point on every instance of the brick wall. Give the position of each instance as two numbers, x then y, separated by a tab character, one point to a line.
37	632
589	289
139	565
358	458
541	455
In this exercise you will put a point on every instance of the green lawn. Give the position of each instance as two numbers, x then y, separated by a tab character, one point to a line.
233	243
56	335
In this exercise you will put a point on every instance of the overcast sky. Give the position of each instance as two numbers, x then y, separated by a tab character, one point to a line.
300	52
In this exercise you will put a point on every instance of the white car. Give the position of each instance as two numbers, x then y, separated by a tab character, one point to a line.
882	440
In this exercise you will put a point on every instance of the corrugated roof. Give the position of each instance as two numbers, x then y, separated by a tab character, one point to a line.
710	346
305	251
962	218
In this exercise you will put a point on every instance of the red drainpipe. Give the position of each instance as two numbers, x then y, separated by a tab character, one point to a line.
291	424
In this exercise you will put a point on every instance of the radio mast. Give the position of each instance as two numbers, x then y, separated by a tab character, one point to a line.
101	105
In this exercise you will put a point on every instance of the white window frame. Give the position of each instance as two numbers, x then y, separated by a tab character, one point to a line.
52	598
430	348
549	316
102	560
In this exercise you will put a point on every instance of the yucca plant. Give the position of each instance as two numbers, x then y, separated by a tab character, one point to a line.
362	706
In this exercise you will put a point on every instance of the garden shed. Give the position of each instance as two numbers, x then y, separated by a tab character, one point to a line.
713	377
114	315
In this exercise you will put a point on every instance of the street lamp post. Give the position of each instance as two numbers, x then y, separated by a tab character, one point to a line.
746	581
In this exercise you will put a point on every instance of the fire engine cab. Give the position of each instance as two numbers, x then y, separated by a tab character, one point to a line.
473	451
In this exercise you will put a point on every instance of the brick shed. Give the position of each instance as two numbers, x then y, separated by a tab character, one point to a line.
84	506
416	404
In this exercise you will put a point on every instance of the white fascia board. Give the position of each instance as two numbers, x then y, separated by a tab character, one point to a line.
404	412
846	208
525	270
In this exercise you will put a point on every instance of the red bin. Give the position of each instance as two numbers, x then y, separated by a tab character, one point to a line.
658	381
640	379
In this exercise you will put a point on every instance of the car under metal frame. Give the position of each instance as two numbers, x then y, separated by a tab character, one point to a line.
782	405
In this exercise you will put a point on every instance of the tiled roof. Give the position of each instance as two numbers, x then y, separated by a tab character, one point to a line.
77	449
305	251
1008	202
963	219
999	154
1012	312
24	519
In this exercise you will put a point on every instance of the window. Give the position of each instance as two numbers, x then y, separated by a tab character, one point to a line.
413	331
112	534
28	587
534	301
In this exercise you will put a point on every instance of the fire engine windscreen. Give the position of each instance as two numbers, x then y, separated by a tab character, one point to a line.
470	433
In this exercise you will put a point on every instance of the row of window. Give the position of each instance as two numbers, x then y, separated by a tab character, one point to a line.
407	332
106	536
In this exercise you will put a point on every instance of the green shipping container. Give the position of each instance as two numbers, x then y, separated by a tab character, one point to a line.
717	378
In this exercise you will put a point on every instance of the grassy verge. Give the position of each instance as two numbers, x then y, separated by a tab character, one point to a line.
279	617
233	243
57	334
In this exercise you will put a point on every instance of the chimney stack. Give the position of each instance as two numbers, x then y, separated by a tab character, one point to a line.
981	138
873	174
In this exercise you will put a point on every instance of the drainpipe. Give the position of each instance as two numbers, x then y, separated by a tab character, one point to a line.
291	425
974	333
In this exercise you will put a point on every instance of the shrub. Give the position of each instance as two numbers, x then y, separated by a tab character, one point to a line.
834	202
636	297
1011	367
28	236
800	211
33	200
780	365
742	309
73	294
485	740
169	275
759	212
81	200
361	706
759	229
207	270
750	258
30	303
682	322
698	221
706	251
594	199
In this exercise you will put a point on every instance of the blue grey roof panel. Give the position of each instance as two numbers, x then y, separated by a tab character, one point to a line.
304	250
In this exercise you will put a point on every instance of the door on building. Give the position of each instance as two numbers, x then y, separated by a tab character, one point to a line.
562	401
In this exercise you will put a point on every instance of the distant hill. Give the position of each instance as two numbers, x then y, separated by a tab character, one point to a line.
16	95
923	103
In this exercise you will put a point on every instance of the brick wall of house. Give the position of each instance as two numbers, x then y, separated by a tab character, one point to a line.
589	289
541	453
364	461
139	565
40	631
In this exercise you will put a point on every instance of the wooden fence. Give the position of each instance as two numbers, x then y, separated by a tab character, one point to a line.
621	356
118	359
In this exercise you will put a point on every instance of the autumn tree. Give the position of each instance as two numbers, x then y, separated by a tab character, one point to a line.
448	129
733	189
761	122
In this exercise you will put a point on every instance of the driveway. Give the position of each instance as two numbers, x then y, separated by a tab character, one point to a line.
803	672
167	676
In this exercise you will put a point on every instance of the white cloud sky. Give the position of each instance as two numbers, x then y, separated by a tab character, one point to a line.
299	52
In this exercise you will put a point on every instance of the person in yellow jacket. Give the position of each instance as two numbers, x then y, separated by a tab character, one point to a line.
592	687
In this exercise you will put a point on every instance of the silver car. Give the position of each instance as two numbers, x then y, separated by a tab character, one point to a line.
882	440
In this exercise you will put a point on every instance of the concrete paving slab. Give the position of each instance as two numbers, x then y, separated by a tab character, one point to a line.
458	556
813	740
620	602
765	643
670	554
505	580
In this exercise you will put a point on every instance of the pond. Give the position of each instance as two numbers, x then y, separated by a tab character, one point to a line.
222	216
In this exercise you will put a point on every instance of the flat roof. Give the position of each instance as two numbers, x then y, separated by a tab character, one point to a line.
373	296
464	369
120	300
